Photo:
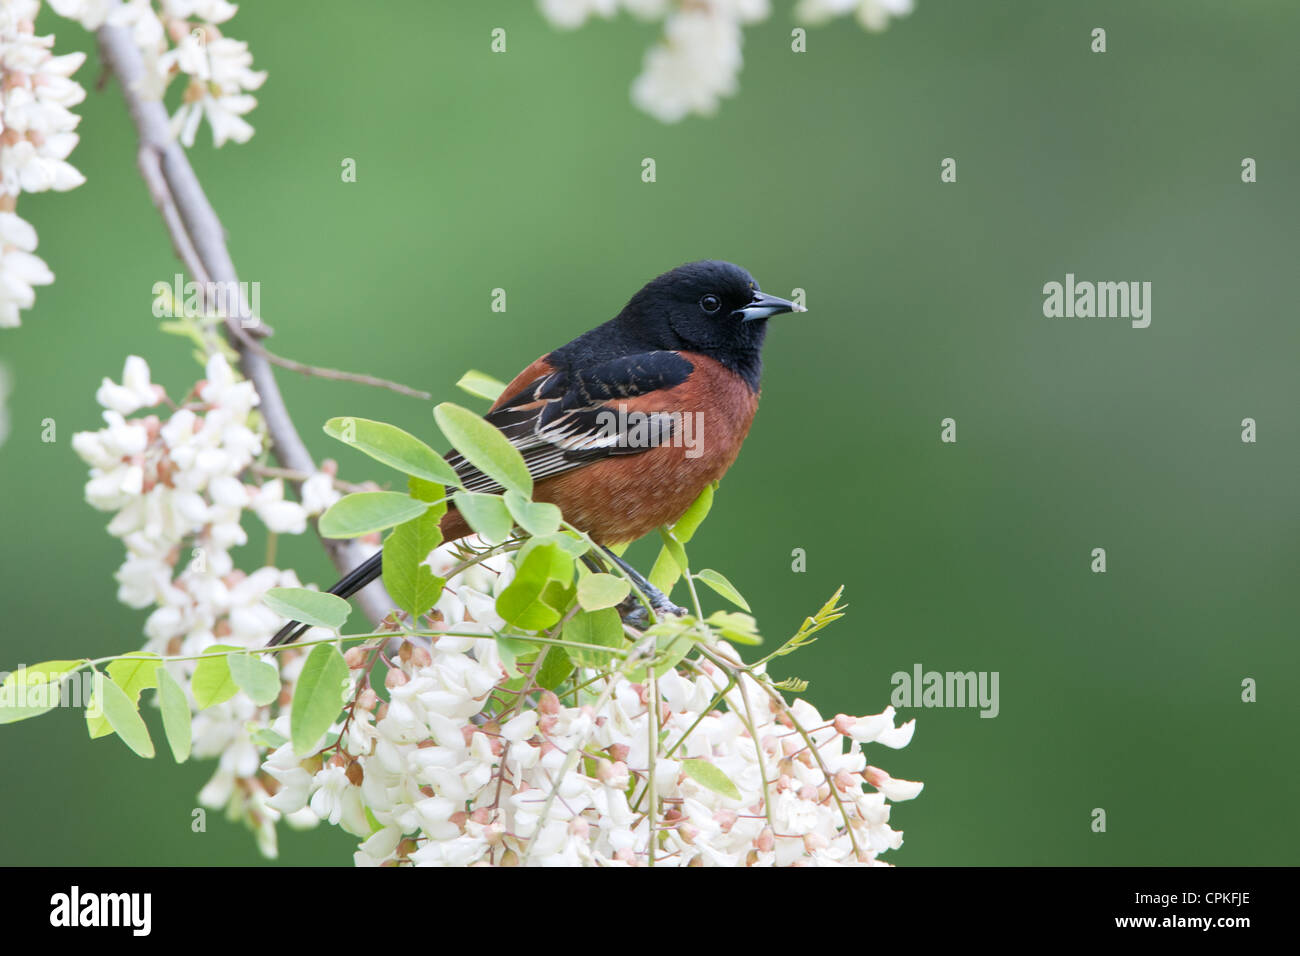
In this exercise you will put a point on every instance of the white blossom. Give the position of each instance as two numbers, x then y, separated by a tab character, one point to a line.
20	270
182	38
874	15
451	785
178	494
698	60
571	14
135	392
696	65
36	138
277	513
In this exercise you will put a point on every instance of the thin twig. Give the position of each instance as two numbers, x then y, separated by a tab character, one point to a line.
198	237
317	371
298	477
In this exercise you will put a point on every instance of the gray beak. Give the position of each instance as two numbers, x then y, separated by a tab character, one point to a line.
764	305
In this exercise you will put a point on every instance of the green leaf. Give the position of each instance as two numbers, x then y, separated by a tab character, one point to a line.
317	608
721	585
523	603
45	671
212	683
674	549
571	545
596	591
268	738
123	715
429	491
665	573
484	447
394	447
256	678
535	517
481	385
672	648
555	669
319	697
486	514
511	649
708	775
32	691
603	627
409	581
133	673
177	723
830	612
736	627
366	512
673	641
690	522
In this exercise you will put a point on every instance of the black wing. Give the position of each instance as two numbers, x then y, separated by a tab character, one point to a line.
570	418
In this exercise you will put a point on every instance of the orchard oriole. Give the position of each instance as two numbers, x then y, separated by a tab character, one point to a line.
623	427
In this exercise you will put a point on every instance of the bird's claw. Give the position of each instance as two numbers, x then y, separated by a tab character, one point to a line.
634	613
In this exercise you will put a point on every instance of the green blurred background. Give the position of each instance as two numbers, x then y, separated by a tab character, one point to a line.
522	171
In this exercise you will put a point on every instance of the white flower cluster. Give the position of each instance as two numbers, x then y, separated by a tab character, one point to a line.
181	37
451	784
176	491
872	14
175	485
698	61
36	137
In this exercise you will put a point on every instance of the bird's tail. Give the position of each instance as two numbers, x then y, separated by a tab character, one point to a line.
353	582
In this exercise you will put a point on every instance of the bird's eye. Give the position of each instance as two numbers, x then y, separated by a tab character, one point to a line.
710	304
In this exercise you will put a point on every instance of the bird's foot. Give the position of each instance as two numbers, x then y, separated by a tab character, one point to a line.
634	613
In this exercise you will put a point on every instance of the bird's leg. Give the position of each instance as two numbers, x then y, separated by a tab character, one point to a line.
632	610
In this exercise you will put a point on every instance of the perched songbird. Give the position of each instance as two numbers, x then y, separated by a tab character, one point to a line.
626	425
